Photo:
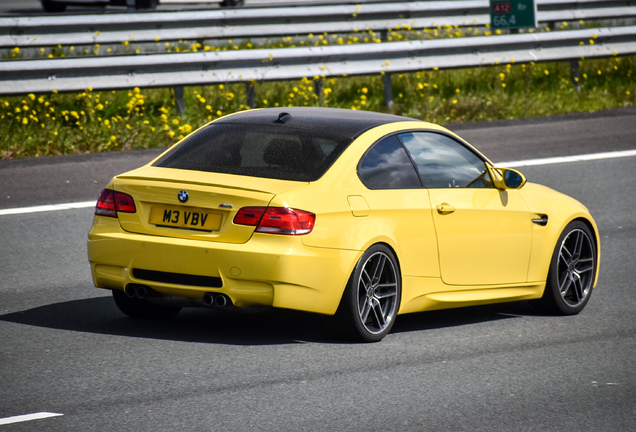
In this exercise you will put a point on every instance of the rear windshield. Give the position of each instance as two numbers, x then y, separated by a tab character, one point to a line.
270	151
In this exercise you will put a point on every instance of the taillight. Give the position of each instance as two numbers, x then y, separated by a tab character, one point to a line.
110	202
276	220
249	216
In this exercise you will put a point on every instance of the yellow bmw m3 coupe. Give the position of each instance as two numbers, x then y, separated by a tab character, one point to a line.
356	214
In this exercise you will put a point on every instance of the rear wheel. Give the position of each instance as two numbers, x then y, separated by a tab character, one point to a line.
139	308
372	296
572	272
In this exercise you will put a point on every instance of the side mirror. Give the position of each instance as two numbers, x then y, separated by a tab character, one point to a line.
507	178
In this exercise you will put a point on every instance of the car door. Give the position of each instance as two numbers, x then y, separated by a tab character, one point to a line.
399	207
483	233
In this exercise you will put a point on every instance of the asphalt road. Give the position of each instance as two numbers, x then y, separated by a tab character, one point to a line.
65	348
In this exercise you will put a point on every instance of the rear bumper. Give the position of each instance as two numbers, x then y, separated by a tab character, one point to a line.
270	270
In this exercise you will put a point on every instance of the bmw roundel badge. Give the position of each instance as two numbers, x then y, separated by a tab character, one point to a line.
183	196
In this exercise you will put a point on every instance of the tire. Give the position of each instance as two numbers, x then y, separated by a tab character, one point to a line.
53	7
572	272
138	308
371	299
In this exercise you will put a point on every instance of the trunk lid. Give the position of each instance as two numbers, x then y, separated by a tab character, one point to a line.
193	204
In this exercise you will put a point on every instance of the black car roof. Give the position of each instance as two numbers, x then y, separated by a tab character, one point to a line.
340	122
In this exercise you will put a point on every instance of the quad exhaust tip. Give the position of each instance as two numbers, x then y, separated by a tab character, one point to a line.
218	300
137	291
143	292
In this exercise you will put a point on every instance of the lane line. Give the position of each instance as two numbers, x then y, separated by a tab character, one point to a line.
512	164
27	417
566	159
47	208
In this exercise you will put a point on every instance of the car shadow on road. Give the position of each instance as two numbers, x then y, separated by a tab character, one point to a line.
269	327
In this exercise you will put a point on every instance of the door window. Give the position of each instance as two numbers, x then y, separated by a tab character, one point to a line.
443	162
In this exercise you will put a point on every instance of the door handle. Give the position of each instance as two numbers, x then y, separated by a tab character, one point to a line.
445	209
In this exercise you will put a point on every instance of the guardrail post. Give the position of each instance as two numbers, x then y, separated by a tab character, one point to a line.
576	79
250	94
179	100
388	90
318	83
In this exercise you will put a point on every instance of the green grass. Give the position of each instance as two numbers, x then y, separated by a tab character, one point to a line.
53	124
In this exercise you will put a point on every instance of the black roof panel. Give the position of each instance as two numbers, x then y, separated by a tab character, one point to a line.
340	122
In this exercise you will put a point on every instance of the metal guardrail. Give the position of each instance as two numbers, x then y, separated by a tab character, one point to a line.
270	22
204	68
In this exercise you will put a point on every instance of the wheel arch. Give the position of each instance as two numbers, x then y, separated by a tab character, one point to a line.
367	247
597	243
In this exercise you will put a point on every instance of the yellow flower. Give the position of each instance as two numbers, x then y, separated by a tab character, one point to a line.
16	50
25	120
175	121
113	137
171	134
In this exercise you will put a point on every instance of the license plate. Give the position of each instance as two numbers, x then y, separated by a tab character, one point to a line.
185	218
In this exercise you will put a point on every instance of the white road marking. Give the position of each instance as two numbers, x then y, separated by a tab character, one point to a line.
27	417
566	159
513	164
47	208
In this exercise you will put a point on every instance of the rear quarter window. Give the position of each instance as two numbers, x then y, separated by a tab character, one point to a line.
387	166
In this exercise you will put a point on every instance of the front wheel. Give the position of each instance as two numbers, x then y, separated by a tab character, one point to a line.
372	297
572	272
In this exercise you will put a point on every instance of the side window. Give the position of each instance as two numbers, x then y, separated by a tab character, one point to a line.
443	162
387	166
